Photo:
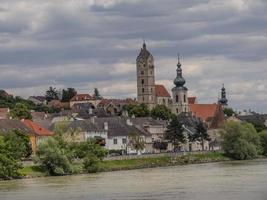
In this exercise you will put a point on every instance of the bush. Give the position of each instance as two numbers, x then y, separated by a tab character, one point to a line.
263	138
90	163
240	141
52	159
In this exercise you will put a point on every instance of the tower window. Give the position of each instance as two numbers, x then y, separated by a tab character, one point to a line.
177	110
151	72
143	99
177	98
142	81
184	98
151	90
142	72
143	90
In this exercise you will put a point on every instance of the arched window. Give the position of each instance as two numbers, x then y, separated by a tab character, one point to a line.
184	98
143	90
177	110
177	98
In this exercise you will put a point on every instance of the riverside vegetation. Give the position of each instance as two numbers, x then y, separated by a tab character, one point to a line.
56	157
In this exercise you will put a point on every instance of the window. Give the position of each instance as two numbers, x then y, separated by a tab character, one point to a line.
184	98
124	141
143	99
151	89
115	141
151	72
177	110
177	98
142	72
142	81
143	90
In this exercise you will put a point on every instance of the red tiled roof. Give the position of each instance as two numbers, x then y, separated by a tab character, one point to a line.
81	97
38	130
203	111
192	100
161	91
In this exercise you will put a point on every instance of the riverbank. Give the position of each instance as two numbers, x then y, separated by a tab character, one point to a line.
142	162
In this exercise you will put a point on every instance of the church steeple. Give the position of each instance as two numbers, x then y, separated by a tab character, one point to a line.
223	100
179	81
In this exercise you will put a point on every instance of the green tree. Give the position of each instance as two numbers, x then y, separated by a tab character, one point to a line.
68	94
18	144
240	141
263	138
175	132
140	110
51	94
53	159
201	134
161	112
9	166
228	112
136	142
20	111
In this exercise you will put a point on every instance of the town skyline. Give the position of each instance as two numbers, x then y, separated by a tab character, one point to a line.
226	45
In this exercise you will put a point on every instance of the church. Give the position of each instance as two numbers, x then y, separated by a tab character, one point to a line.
151	94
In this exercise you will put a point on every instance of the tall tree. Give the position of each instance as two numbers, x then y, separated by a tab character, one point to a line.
52	94
67	94
97	94
20	111
161	112
175	133
201	134
136	142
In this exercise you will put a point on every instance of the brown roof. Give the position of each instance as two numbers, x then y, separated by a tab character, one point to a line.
203	111
161	91
192	100
36	128
81	97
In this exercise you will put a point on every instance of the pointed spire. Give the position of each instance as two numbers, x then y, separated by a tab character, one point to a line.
144	44
178	64
179	81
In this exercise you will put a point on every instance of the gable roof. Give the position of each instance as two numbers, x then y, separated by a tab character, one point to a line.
7	125
192	100
161	91
81	97
36	128
203	111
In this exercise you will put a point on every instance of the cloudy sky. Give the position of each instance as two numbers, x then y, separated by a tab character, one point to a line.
94	43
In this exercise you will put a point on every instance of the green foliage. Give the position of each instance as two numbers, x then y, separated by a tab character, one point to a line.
90	163
97	94
20	111
240	141
136	142
68	94
9	166
51	94
18	144
201	134
263	138
161	112
258	125
174	132
140	110
228	112
54	160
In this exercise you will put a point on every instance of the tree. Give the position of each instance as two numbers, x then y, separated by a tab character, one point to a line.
97	94
136	142
20	111
51	94
228	112
68	94
201	134
175	133
18	144
160	145
140	110
263	138
9	166
161	112
53	159
240	141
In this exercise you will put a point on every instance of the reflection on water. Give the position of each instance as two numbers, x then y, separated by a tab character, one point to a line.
229	180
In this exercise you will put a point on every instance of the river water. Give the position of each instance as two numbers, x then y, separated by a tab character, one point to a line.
246	180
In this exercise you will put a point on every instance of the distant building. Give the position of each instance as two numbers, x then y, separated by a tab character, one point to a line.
38	100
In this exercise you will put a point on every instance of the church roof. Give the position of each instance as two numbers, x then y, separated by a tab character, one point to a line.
203	111
144	53
161	91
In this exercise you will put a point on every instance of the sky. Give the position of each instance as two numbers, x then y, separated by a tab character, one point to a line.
89	44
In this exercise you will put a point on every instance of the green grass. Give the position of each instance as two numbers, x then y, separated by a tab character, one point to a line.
32	171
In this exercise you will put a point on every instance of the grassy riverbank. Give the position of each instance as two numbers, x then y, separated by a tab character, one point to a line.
139	163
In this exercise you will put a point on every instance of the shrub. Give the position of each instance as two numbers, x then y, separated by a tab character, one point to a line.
263	138
53	159
90	163
240	141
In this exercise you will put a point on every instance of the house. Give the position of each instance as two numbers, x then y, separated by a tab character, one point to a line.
57	104
40	133
84	98
4	113
38	100
8	125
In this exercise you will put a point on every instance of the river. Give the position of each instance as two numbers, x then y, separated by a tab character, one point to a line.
246	180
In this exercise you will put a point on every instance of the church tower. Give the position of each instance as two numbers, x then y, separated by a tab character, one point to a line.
223	100
179	92
145	78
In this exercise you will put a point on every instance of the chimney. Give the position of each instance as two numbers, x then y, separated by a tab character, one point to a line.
106	126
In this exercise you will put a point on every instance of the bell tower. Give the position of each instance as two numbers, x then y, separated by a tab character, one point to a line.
179	92
145	78
223	100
